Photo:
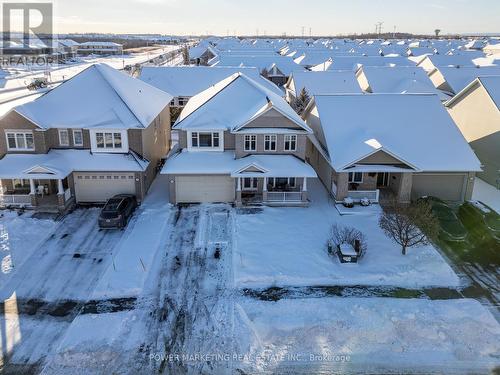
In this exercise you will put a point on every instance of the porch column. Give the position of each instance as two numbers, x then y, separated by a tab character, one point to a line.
60	195
32	187
405	185
60	187
264	190
33	192
304	190
238	192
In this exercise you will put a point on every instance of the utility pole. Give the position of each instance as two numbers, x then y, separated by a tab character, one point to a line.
394	33
310	32
303	28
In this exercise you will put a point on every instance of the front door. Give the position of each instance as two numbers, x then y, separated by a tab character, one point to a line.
382	179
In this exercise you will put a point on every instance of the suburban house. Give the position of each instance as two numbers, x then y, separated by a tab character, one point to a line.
388	146
239	142
201	54
397	80
184	82
354	62
492	49
274	67
452	79
98	134
476	111
100	48
431	62
322	82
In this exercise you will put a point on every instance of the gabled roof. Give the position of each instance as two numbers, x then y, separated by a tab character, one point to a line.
414	128
353	62
327	82
490	83
459	78
188	81
283	63
98	97
232	103
400	80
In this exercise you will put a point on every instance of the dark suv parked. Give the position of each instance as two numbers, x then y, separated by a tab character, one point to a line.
117	211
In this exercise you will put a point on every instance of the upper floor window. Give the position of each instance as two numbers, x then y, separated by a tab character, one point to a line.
182	101
356	177
270	142
20	141
110	140
250	143
205	140
77	137
290	142
63	137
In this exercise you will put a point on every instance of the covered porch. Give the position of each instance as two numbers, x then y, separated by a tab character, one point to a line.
378	183
275	180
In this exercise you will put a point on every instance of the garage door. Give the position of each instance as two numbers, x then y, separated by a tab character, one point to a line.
193	189
447	187
99	187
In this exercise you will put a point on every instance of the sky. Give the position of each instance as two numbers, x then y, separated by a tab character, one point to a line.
276	17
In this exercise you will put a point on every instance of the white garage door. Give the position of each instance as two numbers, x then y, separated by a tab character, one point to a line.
193	189
444	186
99	187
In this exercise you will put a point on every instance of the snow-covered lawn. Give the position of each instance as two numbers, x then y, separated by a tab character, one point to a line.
20	235
450	336
487	194
287	247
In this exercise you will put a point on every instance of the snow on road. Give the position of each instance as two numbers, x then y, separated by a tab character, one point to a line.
353	335
287	247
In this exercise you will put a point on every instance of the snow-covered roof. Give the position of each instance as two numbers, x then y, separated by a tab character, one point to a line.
284	63
232	103
101	44
414	128
490	83
187	81
224	162
325	82
459	78
353	62
400	79
57	164
98	97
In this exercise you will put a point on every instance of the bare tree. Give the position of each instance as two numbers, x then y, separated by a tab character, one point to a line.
264	73
185	55
409	225
437	31
348	235
300	103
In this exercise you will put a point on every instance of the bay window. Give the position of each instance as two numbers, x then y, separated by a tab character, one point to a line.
19	141
290	142
250	143
270	142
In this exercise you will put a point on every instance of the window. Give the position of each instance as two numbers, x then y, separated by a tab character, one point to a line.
182	101
77	137
249	183
270	143
205	140
281	182
63	137
20	141
19	183
250	143
356	177
108	140
290	142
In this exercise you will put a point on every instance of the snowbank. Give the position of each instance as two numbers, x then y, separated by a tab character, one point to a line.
362	333
287	247
20	236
